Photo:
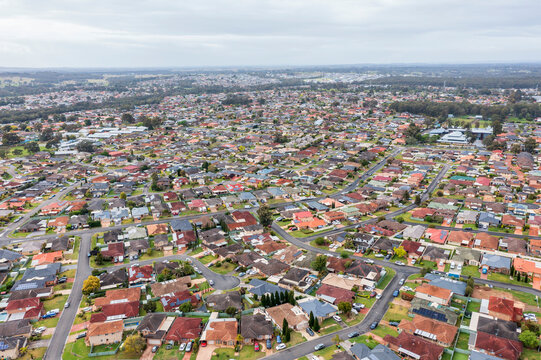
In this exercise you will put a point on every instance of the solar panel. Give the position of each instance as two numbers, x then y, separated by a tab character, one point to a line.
431	314
3	346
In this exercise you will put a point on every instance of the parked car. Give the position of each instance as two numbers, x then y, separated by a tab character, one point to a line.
396	293
211	282
189	346
278	339
319	347
63	279
353	334
400	263
280	346
358	306
388	256
182	347
81	335
337	318
310	331
378	296
373	325
373	294
394	323
369	261
401	282
154	349
256	346
67	305
269	343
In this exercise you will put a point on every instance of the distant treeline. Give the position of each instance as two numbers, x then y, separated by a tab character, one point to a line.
475	82
521	110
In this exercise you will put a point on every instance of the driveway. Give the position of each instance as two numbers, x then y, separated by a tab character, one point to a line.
205	352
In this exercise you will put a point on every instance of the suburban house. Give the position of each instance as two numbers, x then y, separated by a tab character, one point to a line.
434	294
104	333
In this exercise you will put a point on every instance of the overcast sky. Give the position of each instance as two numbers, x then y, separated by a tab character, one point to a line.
176	33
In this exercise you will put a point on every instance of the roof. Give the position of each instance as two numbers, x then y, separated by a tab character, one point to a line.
184	328
335	294
501	347
260	287
223	330
457	287
380	352
293	314
318	308
254	326
496	261
414	345
103	328
504	307
443	332
434	291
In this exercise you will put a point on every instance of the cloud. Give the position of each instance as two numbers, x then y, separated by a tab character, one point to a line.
266	32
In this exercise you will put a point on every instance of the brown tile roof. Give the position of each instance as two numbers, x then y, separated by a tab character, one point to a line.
444	332
118	296
434	291
497	346
184	328
414	344
96	329
222	330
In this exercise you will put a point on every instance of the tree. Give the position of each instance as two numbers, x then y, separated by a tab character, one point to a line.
231	311
515	148
291	298
91	284
316	325
469	290
336	339
127	118
135	344
529	145
239	338
320	263
10	139
47	134
345	307
496	127
417	199
285	326
529	339
123	195
311	320
85	146
185	307
265	215
400	252
150	306
287	335
32	147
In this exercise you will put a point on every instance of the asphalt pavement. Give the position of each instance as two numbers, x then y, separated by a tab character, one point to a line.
67	317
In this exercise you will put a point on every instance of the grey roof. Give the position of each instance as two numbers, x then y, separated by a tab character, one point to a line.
496	261
476	355
380	352
254	326
457	287
181	225
319	308
260	287
9	255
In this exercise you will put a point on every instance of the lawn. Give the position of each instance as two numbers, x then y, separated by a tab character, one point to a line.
296	338
365	339
48	323
34	354
473	306
526	298
55	303
383	330
505	279
64	286
322	247
206	259
396	313
328	352
224	354
172	354
368	302
81	350
247	352
462	342
69	273
387	279
329	329
529	354
470	270
75	254
460	356
225	268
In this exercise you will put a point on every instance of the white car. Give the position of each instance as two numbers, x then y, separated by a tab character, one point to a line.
369	261
400	263
281	346
378	296
337	318
182	347
211	282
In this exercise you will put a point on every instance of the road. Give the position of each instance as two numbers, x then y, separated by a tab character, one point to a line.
221	282
375	314
67	317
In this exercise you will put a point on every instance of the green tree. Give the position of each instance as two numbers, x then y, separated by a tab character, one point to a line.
529	339
529	145
135	344
85	146
417	199
123	195
127	118
285	326
32	147
265	215
231	311
316	325
311	320
320	263
345	307
10	139
185	307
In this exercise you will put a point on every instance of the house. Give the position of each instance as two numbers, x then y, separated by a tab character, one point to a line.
113	311
513	245
174	300
414	232
500	328
437	236
117	296
434	294
532	268
321	310
102	333
295	316
334	295
221	302
460	238
156	229
11	346
114	251
498	346
154	327
113	279
255	328
496	263
46	258
29	308
220	331
432	330
467	256
413	346
456	286
140	274
504	309
295	277
485	241
170	286
184	329
436	254
16	328
362	352
260	288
